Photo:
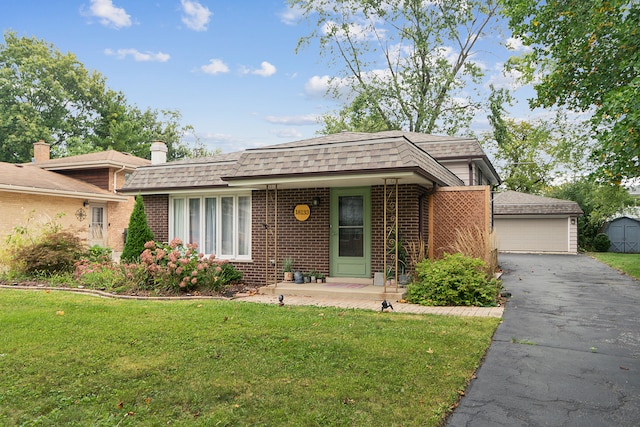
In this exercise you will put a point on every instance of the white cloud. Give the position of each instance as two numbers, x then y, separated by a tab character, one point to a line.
306	119
291	15
317	86
196	16
139	56
266	69
110	15
516	44
288	133
215	66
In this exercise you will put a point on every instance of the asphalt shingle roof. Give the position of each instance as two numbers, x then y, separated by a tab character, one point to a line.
338	154
341	153
30	178
101	158
516	203
202	172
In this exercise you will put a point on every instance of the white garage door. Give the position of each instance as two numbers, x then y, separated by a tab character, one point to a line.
532	234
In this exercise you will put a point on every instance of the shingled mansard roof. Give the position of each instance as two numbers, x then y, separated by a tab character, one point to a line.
30	179
203	172
108	158
516	203
307	162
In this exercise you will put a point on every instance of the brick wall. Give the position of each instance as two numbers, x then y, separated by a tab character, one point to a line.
156	207
306	242
412	218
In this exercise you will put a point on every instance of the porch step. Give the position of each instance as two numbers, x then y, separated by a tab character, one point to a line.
336	289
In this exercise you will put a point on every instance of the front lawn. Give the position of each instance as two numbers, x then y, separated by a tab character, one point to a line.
627	263
69	359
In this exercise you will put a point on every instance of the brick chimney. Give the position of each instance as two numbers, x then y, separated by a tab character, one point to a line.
158	152
41	151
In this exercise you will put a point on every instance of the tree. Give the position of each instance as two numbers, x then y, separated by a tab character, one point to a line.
598	201
404	61
530	155
138	232
50	96
587	57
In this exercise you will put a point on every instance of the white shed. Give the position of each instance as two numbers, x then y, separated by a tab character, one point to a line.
535	224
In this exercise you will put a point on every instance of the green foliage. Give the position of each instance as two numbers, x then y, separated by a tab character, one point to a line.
99	253
598	201
586	56
287	265
163	269
529	155
138	232
453	280
177	267
601	242
394	63
50	96
55	253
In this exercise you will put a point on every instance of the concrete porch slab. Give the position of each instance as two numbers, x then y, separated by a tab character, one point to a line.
344	289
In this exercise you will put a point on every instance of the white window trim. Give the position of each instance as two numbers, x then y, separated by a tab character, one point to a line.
236	223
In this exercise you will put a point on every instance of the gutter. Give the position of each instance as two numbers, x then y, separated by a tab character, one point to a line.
71	194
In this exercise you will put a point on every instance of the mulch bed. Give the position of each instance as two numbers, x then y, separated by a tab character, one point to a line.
229	292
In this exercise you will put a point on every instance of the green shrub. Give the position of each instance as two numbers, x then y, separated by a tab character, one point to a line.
98	253
176	267
454	280
138	233
54	253
601	243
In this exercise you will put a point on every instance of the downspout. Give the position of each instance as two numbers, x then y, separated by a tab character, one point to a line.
470	163
115	176
428	193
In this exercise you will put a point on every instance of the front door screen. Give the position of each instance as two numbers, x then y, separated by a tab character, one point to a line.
351	226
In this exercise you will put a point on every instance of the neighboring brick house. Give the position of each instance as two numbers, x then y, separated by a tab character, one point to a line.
77	192
331	203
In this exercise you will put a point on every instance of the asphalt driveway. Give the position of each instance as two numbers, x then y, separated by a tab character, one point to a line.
567	352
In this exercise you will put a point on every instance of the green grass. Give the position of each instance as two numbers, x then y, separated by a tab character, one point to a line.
627	263
70	359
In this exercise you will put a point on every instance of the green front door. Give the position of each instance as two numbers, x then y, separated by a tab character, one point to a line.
351	232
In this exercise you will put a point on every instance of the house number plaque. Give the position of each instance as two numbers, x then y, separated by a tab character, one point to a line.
302	212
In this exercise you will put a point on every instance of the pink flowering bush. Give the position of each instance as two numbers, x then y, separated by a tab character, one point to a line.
163	268
179	267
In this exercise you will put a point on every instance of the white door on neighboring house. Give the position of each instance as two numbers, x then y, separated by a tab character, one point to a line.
97	225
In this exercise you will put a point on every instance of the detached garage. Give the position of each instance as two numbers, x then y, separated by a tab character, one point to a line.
527	223
624	234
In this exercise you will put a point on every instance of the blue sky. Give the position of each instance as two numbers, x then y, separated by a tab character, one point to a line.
229	67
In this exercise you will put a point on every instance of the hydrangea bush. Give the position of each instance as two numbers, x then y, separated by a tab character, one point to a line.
164	268
176	266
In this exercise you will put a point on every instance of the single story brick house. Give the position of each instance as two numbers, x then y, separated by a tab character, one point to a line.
535	224
76	192
334	204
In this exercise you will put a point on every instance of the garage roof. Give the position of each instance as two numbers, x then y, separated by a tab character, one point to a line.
516	203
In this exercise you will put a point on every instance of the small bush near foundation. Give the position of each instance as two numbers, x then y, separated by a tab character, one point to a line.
138	233
54	253
601	243
454	280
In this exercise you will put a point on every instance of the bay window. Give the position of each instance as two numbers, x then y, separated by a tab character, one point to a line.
219	224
